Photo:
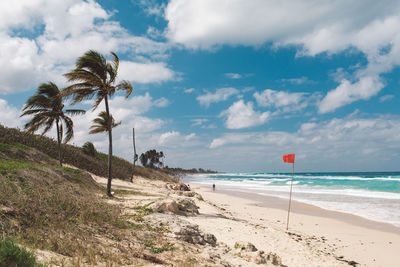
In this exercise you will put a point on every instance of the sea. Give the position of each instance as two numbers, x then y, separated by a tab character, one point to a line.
372	195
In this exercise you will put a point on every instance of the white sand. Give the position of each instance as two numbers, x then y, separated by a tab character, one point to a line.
366	242
316	237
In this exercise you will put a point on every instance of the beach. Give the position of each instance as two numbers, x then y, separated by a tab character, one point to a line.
239	221
344	236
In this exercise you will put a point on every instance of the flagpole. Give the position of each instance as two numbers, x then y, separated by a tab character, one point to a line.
290	198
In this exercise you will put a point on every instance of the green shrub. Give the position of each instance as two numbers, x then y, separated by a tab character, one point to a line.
12	255
89	149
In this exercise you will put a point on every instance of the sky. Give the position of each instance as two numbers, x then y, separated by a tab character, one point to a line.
223	85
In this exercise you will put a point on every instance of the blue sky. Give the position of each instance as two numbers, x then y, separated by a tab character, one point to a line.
226	85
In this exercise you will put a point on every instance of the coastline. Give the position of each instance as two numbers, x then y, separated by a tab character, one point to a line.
366	242
309	209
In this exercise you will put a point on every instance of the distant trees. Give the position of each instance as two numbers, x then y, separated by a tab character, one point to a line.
47	109
151	159
95	78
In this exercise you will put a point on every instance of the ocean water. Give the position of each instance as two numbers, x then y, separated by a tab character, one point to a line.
372	195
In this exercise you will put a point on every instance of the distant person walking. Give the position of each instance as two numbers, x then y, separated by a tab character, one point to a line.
213	187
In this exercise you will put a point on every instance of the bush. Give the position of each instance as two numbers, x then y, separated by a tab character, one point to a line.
89	149
12	255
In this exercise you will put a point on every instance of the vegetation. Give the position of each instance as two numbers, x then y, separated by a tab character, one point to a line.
165	247
13	255
94	77
47	109
13	141
89	149
100	124
48	207
151	159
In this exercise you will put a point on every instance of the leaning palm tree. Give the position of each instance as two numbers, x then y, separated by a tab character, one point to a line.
47	108
100	124
95	77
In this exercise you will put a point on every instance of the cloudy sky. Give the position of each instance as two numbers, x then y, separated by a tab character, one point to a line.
227	85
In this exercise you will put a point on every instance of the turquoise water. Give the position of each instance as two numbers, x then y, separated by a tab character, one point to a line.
372	195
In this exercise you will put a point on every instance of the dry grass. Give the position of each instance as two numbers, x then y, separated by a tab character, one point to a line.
11	138
58	209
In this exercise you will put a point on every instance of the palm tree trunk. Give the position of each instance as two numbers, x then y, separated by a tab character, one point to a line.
61	145
59	142
109	148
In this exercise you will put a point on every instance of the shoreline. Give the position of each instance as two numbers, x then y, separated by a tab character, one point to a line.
309	209
352	237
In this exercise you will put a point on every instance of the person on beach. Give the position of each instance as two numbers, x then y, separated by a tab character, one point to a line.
213	187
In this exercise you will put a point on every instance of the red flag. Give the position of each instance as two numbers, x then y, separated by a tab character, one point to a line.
289	158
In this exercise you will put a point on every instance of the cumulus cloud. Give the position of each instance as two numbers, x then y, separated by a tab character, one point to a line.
273	98
241	115
220	94
348	144
131	112
10	115
204	23
348	92
41	39
174	138
145	72
313	27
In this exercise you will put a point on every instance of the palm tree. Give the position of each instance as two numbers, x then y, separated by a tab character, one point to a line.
47	106
94	77
101	123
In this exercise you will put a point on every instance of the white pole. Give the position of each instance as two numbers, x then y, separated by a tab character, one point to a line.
290	199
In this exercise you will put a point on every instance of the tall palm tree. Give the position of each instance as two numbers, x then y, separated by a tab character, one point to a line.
95	77
101	123
47	108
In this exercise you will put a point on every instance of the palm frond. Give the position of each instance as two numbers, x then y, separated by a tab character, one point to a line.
112	68
125	86
69	124
34	111
74	112
48	124
100	124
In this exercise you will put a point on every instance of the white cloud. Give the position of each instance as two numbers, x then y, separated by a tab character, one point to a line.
385	98
241	115
205	23
190	137
10	115
61	31
174	138
130	111
346	144
145	72
165	137
220	94
313	27
348	92
233	75
189	90
198	122
336	133
161	102
273	98
301	80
